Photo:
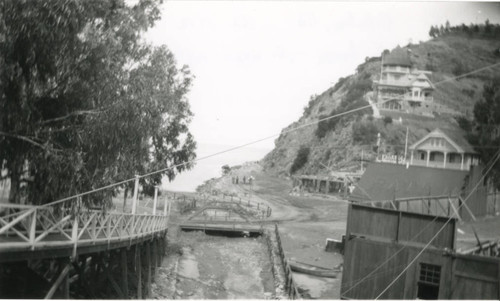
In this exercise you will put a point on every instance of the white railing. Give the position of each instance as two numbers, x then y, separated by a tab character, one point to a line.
68	224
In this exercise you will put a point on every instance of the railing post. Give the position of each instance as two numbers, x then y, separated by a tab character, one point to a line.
74	237
165	206
33	230
136	190
155	200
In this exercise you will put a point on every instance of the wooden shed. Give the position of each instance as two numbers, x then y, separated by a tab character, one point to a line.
381	243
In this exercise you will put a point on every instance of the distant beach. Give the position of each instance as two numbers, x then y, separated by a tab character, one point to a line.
211	167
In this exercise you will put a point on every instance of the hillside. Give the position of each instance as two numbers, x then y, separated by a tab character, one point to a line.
339	143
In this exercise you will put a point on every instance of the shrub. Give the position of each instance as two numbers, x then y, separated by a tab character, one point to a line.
301	159
464	123
364	133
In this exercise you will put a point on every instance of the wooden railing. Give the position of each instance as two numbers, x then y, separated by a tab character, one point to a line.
489	248
291	288
69	224
191	202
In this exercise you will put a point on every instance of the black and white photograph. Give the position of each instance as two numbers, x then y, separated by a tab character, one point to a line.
258	150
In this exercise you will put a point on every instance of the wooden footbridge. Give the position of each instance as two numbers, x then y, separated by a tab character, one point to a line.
67	250
231	215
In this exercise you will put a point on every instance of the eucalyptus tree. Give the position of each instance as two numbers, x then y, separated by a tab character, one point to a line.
84	102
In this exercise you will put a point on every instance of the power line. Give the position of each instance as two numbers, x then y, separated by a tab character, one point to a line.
439	231
468	73
414	237
243	145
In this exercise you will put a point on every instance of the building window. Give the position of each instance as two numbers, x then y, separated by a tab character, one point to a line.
428	281
422	156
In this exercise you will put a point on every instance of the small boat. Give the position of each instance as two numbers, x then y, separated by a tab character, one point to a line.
310	269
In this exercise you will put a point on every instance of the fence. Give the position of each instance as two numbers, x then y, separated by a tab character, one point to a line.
291	288
489	248
70	224
190	203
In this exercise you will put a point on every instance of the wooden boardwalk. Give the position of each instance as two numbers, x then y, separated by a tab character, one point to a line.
66	232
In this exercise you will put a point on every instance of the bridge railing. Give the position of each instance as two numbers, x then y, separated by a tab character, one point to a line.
69	224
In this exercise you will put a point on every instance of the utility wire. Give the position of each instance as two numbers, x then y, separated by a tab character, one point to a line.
414	237
439	231
246	144
468	73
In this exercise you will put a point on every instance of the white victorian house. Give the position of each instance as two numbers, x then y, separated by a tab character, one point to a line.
443	149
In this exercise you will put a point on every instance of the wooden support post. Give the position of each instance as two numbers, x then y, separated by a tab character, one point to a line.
148	275
155	200
454	209
155	258
159	248
138	270
136	191
107	272
124	271
33	230
94	265
61	279
74	238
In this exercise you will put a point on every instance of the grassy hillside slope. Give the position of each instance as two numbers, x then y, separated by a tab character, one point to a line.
340	143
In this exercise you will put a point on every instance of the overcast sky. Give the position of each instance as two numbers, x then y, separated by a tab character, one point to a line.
257	63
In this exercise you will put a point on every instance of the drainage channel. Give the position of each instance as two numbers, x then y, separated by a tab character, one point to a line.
217	264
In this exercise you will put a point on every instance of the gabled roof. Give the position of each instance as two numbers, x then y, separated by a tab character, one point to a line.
388	181
454	137
398	57
422	76
458	137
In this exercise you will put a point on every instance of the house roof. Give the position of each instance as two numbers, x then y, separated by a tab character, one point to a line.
455	137
422	76
387	181
398	56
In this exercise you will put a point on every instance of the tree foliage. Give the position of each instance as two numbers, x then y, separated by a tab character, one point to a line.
301	159
486	30
353	99
83	102
486	126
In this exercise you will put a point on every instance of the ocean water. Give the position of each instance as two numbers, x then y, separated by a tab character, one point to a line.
212	167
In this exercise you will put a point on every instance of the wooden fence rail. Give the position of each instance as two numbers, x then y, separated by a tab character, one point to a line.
489	248
290	286
67	224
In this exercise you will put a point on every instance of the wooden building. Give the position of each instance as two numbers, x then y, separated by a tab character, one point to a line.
381	243
401	87
443	149
420	189
335	183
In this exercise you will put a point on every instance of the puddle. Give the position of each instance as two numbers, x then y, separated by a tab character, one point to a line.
188	266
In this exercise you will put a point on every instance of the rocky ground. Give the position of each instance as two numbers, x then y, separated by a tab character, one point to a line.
215	267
